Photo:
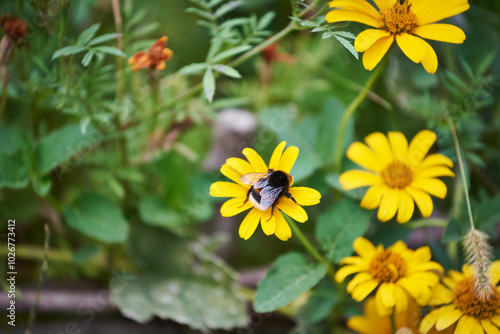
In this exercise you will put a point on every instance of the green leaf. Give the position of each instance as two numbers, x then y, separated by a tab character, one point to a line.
201	13
144	30
347	45
289	276
229	53
104	38
87	34
227	70
320	303
13	171
266	20
226	8
67	51
454	231
209	84
355	194
87	58
62	144
153	211
486	214
110	50
339	226
194	68
96	217
199	303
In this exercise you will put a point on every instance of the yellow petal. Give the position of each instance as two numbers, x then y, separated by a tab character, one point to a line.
341	15
364	247
388	205
420	145
283	231
430	61
401	299
364	157
430	320
405	208
387	292
411	47
373	196
495	272
441	295
359	278
250	223
399	145
382	310
435	187
447	319
288	159
293	210
384	4
240	165
276	157
359	5
227	189
364	289
358	178
430	11
267	222
255	160
496	319
345	271
441	32
435	159
488	326
305	196
378	142
465	325
376	52
230	173
434	171
366	38
422	254
409	285
234	206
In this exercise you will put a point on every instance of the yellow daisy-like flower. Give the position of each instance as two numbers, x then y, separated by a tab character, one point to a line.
398	272
461	308
289	201
398	174
406	322
406	21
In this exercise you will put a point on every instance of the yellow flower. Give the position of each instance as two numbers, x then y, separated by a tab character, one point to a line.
406	21
461	307
398	174
406	322
272	221
397	271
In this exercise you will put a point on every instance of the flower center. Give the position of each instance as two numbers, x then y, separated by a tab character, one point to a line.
466	299
400	18
397	175
387	266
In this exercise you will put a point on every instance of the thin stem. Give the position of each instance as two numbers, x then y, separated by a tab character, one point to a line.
43	271
119	62
349	112
393	324
310	248
453	130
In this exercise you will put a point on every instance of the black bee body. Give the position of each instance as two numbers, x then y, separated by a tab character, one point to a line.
267	188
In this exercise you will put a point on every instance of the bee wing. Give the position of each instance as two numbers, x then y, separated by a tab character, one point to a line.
258	180
268	196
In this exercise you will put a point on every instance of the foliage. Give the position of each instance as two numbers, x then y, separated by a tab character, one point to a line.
119	163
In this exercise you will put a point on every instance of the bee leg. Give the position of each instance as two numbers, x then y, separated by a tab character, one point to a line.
272	210
288	195
248	194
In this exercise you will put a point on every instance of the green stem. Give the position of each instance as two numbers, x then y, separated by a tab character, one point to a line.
349	112
461	167
310	248
43	271
393	324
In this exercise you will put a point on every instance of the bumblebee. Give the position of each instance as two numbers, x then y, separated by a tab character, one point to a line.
267	188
